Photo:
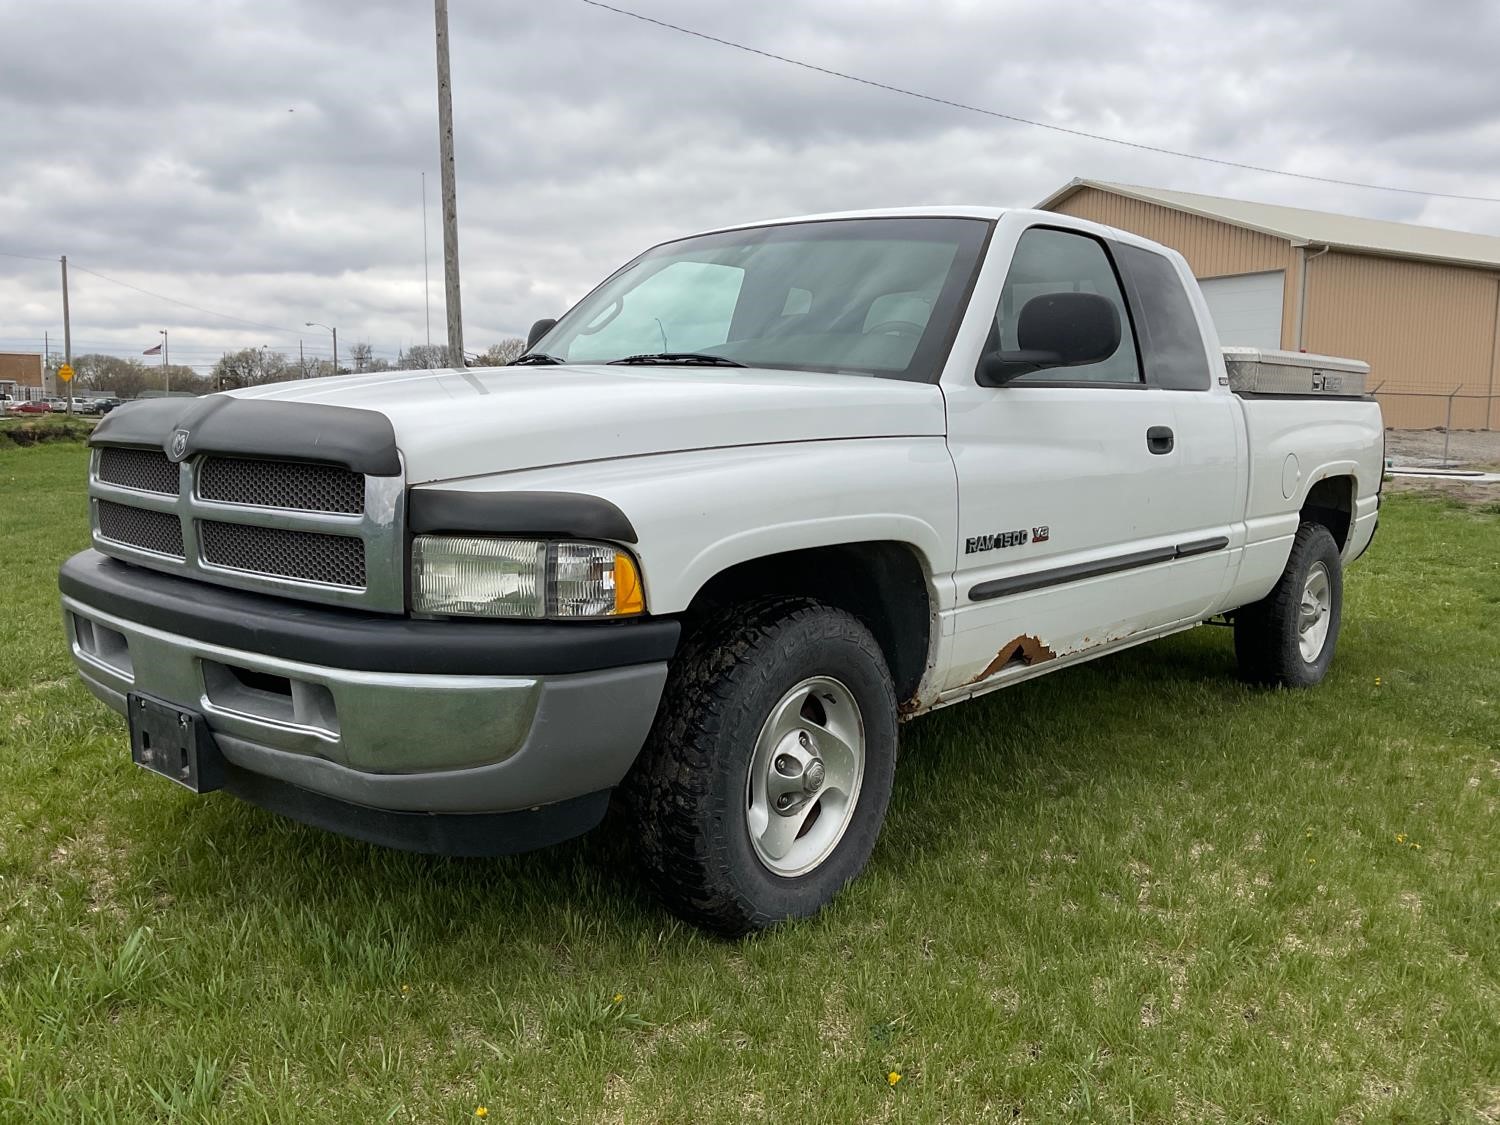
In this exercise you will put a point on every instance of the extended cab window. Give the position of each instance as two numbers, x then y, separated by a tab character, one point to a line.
1054	261
1171	340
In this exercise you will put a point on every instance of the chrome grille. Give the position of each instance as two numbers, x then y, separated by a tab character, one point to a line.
308	556
157	532
296	485
296	529
145	470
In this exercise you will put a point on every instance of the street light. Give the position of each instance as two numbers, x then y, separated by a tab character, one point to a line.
335	331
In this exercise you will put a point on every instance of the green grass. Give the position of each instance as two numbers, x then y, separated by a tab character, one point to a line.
1136	891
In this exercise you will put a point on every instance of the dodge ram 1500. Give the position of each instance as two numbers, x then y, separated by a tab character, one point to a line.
764	494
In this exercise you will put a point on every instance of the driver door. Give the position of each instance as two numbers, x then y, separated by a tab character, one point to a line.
1069	512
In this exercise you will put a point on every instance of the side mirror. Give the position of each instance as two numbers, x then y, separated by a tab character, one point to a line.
538	330
1055	330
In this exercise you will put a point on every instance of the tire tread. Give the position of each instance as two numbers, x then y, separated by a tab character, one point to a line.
670	789
1265	637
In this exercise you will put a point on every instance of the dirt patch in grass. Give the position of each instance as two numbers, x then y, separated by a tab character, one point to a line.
1466	448
42	430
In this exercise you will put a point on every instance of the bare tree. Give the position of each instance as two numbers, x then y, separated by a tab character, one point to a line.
249	367
128	378
360	355
363	358
423	357
505	352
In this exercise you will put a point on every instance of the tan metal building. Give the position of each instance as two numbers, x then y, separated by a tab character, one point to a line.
1419	304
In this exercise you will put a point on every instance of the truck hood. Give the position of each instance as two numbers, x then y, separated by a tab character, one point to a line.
461	423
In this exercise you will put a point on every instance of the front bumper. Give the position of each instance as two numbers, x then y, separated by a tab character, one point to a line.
384	714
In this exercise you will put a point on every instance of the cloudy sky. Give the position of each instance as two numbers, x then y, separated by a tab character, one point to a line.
262	158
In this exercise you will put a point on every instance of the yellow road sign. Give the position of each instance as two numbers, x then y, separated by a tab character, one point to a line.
65	373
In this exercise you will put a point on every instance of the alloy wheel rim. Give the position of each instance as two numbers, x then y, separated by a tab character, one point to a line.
1314	613
805	776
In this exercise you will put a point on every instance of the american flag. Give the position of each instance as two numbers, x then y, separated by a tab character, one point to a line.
153	351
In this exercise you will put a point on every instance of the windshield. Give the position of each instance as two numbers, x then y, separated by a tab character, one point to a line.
866	296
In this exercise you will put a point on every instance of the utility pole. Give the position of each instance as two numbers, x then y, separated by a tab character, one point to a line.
166	372
335	331
301	359
426	284
450	189
67	330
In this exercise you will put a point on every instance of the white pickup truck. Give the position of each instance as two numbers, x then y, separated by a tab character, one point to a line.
762	495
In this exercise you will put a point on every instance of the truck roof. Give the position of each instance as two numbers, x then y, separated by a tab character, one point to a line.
936	211
955	211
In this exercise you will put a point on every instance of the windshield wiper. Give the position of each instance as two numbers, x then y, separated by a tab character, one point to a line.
680	357
535	358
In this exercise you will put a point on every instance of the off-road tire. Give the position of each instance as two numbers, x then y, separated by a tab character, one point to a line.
687	792
1266	637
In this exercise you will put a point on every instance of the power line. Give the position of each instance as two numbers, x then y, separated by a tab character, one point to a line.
159	296
185	304
1029	121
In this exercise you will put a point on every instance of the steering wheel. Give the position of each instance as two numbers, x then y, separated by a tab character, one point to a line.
896	327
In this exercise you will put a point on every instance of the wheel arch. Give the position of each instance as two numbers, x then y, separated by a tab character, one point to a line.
1330	502
886	584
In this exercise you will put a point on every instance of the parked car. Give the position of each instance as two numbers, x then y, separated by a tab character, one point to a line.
778	489
7	404
105	405
35	406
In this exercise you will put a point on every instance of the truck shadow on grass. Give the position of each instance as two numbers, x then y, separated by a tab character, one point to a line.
1150	713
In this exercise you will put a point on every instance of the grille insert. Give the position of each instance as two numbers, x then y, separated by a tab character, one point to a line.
159	532
295	485
145	470
310	556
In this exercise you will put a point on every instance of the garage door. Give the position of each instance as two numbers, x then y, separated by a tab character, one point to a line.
1246	308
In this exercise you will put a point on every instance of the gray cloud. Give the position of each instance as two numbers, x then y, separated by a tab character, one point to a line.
264	159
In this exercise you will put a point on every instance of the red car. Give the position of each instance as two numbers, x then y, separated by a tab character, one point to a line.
30	408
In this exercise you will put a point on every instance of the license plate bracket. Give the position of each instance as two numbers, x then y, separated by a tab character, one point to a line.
174	742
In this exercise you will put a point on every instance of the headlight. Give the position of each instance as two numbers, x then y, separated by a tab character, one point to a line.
483	577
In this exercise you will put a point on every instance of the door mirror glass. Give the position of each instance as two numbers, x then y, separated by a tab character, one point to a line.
1056	330
538	330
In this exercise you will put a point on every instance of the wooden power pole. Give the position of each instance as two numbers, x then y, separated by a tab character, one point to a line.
450	189
67	332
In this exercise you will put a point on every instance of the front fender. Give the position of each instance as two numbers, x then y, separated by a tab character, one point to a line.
698	513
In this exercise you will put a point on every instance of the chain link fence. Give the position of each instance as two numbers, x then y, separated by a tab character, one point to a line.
1431	410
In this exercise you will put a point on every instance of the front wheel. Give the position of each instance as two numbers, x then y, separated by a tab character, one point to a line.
766	777
1288	637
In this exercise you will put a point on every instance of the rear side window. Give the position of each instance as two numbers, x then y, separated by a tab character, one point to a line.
1055	261
1172	349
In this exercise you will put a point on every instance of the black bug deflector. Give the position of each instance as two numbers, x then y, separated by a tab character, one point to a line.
360	440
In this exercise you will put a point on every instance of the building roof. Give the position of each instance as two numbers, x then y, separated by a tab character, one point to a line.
1312	228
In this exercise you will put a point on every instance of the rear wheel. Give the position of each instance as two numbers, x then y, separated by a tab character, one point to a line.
1289	636
762	788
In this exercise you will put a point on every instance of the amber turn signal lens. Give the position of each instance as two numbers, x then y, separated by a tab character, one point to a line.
629	597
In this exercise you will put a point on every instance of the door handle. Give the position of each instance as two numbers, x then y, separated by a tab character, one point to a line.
1159	439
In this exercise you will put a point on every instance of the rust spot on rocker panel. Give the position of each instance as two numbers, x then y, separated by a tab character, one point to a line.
1026	650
